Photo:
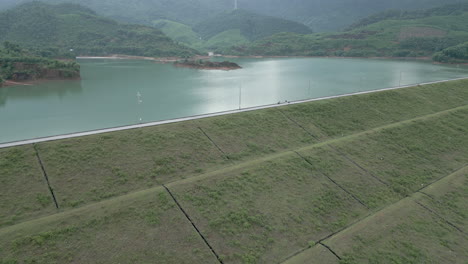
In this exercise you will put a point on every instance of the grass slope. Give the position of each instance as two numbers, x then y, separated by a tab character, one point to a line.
144	228
58	29
259	186
412	233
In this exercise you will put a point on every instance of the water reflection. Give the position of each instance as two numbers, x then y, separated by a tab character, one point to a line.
40	91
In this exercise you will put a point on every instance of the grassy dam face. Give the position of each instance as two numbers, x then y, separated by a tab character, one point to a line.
372	178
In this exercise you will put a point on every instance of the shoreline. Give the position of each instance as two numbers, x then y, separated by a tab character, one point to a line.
175	59
164	60
9	83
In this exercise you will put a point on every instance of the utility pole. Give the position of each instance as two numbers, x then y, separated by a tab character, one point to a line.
235	4
240	96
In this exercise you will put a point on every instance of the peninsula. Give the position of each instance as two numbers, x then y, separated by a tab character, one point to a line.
208	65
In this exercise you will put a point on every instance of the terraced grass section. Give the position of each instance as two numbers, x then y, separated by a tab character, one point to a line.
145	227
449	199
404	233
23	189
348	115
265	212
410	157
316	255
423	228
93	168
255	134
369	190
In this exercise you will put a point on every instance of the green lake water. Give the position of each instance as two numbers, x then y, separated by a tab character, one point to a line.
115	93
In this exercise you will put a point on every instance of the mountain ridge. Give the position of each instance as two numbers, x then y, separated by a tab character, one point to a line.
69	30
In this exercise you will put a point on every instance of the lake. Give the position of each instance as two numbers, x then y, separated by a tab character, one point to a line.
115	93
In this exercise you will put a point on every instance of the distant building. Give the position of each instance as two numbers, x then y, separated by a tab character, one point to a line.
211	54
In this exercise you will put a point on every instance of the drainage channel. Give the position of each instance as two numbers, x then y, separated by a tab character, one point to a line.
193	224
45	176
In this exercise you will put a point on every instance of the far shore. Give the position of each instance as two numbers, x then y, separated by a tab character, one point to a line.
175	59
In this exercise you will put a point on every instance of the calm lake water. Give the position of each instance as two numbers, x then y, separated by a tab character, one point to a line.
123	92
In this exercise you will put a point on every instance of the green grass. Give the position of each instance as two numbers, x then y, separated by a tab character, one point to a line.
317	254
412	156
255	134
377	109
94	168
23	189
449	199
263	213
145	227
370	191
408	233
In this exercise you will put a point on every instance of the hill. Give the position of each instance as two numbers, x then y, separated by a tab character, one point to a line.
69	29
178	31
221	32
388	37
330	15
252	26
333	15
398	14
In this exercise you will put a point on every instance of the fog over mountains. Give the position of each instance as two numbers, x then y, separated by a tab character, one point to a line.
319	15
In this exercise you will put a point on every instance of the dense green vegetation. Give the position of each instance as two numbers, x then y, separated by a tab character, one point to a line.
259	186
68	30
203	64
400	14
454	54
402	37
19	65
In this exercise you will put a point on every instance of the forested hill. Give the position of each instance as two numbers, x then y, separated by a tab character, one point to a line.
398	14
436	31
320	15
334	15
252	26
70	29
